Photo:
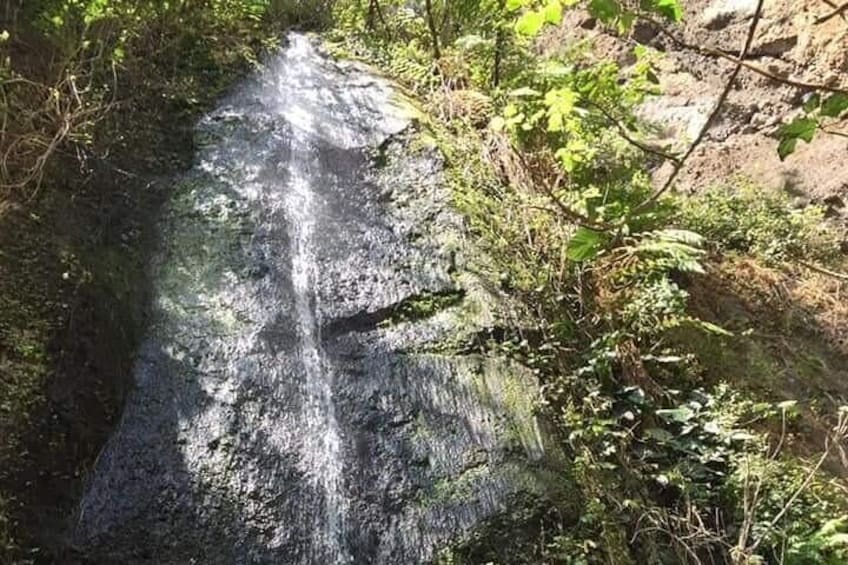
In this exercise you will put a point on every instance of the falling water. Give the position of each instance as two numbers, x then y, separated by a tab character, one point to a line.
322	463
279	415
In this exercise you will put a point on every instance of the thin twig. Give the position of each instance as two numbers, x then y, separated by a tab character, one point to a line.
565	210
713	52
840	432
622	131
823	271
837	12
678	166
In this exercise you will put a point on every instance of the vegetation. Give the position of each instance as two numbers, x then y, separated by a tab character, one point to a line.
678	455
678	452
97	100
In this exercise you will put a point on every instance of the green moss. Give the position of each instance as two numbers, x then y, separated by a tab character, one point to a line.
422	306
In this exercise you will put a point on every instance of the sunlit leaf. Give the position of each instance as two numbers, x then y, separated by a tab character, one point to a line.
681	414
585	244
834	105
530	23
553	12
800	128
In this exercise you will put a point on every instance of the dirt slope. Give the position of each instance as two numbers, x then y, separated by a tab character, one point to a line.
788	43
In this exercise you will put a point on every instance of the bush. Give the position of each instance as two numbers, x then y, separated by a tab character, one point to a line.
748	219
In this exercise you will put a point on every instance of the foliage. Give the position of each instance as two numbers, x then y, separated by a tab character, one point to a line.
562	197
95	56
555	179
746	219
819	114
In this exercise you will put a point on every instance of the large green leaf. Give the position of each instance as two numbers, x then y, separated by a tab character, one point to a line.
789	134
801	128
530	23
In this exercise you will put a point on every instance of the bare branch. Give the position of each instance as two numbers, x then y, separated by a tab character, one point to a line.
678	166
622	131
737	60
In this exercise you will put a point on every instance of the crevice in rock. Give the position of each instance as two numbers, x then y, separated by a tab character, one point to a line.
411	309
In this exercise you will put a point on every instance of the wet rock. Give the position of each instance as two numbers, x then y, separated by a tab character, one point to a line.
281	414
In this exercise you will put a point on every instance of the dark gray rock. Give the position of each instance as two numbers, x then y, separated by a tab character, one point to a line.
256	435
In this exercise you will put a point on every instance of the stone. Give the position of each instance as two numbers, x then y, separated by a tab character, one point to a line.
721	13
281	413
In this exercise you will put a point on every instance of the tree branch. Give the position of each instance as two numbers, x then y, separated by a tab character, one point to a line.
622	131
837	12
823	271
713	52
678	166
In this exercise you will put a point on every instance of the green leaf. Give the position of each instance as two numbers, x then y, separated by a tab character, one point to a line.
513	5
681	414
553	12
530	23
713	329
659	434
523	92
585	244
790	406
625	22
834	105
786	147
801	128
605	10
670	9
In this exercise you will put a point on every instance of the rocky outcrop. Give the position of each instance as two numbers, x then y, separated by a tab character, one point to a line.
298	398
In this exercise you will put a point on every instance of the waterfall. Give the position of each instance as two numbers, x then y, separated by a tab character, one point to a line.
322	458
281	412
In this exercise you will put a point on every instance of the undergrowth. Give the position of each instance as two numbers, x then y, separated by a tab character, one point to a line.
98	99
675	459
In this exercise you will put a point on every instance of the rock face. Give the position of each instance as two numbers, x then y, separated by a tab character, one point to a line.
294	400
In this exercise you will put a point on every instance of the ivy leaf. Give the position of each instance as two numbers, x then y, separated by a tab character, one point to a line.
584	245
530	23
605	10
834	105
681	414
